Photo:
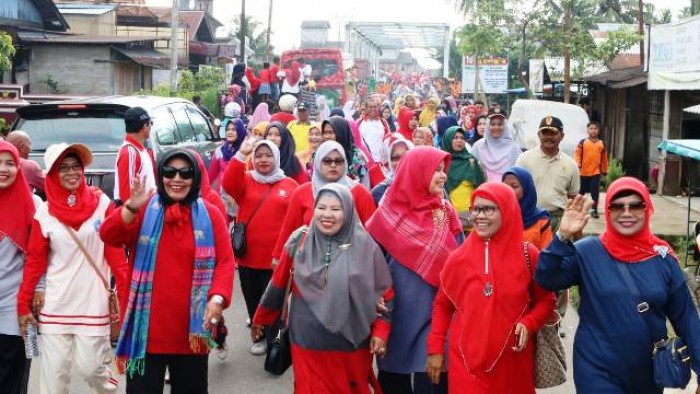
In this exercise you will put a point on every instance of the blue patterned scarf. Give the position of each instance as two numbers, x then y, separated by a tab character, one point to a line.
133	338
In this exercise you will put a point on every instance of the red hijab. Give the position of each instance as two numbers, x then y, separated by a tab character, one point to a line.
404	118
489	321
206	191
293	74
638	247
16	205
87	197
404	225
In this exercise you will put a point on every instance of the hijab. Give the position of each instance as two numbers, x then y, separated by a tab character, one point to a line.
229	149
276	174
427	135
323	111
405	116
293	74
194	192
444	123
405	224
260	128
528	204
288	160
349	109
343	134
261	114
390	120
86	197
317	179
638	247
398	103
429	112
16	205
391	173
463	166
208	194
489	321
337	112
343	295
497	154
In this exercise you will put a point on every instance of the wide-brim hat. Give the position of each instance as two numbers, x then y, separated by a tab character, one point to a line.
56	151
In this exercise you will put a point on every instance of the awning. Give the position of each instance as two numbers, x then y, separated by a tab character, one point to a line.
695	109
685	148
145	56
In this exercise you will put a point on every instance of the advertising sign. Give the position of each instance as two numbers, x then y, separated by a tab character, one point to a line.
493	73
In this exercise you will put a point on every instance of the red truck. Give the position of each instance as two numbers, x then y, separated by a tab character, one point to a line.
327	70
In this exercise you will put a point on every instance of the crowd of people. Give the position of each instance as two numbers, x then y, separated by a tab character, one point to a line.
422	238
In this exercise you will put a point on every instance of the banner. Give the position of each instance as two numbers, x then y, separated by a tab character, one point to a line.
536	74
493	74
674	55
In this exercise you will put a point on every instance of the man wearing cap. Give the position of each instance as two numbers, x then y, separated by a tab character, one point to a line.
299	128
286	104
373	129
556	177
133	159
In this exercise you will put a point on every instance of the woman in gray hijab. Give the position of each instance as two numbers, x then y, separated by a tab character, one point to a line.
339	274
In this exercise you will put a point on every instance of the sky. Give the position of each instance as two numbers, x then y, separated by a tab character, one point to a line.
288	14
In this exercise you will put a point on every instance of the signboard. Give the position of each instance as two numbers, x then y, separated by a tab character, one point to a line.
493	74
536	73
674	55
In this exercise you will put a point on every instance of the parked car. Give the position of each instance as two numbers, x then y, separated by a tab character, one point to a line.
98	122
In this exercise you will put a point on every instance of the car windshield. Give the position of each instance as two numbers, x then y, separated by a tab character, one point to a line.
100	132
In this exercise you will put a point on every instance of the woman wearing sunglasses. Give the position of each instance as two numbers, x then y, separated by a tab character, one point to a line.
65	246
181	272
630	281
330	166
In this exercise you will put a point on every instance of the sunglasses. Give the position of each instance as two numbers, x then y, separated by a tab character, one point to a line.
185	172
635	207
329	162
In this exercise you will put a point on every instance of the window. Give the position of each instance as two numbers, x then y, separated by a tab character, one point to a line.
199	124
164	126
183	123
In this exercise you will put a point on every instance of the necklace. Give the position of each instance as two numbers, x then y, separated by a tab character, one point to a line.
327	261
488	289
71	200
440	216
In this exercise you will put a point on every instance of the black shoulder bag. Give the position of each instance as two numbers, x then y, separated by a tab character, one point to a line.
238	230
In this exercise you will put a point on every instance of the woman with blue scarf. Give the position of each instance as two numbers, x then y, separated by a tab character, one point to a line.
181	271
536	221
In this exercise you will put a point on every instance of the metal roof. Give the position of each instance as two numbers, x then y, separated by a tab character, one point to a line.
145	56
618	79
38	37
85	9
401	35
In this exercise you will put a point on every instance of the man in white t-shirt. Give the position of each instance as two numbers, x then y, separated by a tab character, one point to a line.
373	129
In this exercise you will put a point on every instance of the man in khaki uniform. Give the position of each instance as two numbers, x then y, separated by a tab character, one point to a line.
556	178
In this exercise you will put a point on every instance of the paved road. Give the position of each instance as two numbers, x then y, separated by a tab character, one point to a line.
242	373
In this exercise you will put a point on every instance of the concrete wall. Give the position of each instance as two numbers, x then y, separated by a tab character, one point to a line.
78	69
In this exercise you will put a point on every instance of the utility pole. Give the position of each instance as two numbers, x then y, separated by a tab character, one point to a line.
174	24
640	16
241	35
269	28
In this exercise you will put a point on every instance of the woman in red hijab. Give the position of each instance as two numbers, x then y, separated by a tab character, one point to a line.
418	228
17	212
408	122
65	245
489	303
617	272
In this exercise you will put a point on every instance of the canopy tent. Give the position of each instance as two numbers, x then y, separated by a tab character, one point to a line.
689	149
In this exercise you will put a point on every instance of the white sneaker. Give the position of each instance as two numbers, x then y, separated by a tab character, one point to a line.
259	348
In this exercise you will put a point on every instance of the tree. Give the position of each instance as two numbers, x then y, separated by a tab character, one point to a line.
256	37
7	51
694	7
454	63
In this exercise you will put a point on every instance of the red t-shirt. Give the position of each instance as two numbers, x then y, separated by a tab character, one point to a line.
274	69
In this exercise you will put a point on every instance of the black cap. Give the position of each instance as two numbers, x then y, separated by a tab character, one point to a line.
301	106
551	123
135	118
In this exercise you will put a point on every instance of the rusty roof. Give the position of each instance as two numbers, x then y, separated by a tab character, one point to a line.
619	79
38	37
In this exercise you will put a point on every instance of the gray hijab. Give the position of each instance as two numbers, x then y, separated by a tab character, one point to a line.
277	174
342	296
317	179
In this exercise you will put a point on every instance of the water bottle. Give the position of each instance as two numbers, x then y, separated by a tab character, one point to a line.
31	342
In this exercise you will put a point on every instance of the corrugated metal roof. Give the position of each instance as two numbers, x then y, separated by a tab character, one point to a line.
695	109
144	56
618	79
37	37
85	9
630	82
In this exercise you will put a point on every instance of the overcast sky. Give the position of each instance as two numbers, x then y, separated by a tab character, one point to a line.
288	14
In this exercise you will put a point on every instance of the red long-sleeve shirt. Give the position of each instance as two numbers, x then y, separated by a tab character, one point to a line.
301	209
283	117
262	231
168	332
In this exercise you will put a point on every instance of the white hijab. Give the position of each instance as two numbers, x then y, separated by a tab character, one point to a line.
323	150
276	174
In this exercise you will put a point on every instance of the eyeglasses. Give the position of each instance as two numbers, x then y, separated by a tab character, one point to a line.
185	172
329	162
634	208
396	158
70	168
487	210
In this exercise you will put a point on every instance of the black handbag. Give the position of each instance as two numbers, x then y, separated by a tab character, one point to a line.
238	231
670	357
279	349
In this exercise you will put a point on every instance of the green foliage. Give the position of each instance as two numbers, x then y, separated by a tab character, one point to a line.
51	85
206	83
618	41
7	51
615	170
4	128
